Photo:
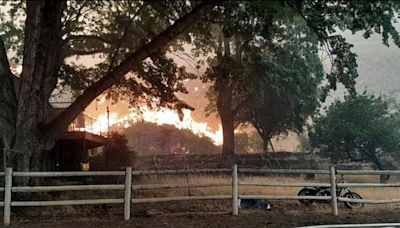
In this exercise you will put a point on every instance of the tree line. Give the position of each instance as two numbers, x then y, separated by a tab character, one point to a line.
262	57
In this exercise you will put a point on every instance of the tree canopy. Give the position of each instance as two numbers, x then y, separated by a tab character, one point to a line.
286	86
130	42
240	29
117	154
362	127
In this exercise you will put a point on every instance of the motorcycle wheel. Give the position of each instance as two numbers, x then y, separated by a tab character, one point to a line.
323	192
306	192
352	205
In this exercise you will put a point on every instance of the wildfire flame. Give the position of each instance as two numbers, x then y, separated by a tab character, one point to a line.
160	117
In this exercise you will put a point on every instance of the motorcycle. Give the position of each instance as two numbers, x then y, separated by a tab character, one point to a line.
326	191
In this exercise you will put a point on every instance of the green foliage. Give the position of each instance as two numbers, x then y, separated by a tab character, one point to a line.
12	15
274	60
284	85
327	18
106	32
242	143
117	154
360	128
264	21
304	143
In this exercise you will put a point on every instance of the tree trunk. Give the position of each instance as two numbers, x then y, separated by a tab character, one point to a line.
266	138
40	66
25	129
224	106
265	145
376	160
383	179
228	148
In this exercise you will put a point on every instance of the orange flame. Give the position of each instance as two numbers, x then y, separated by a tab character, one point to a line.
162	116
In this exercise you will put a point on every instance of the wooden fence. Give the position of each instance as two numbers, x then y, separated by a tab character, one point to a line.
235	195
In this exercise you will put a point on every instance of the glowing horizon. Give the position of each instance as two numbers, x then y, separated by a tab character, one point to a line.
159	117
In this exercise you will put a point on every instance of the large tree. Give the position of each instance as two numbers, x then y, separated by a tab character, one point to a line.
129	41
362	128
285	86
240	25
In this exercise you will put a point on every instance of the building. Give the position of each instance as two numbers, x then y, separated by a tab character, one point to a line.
72	150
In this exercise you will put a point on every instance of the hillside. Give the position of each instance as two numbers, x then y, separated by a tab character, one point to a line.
149	138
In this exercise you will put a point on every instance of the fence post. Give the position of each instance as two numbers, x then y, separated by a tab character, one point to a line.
235	195
333	191
128	191
7	196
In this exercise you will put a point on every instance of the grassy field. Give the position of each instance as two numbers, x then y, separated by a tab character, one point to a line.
367	193
210	213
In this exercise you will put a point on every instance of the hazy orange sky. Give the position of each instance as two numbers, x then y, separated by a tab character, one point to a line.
378	68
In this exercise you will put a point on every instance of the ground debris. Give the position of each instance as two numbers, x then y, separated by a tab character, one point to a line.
154	212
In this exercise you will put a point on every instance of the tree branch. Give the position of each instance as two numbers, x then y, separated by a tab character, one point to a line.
72	51
119	42
86	37
55	127
238	107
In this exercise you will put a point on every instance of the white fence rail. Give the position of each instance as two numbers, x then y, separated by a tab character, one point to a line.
235	195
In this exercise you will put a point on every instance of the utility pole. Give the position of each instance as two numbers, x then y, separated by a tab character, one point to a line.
108	122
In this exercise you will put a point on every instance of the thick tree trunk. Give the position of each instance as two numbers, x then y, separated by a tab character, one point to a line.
224	106
228	148
41	63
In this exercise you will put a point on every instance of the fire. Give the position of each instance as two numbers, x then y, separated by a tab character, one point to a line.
160	117
101	124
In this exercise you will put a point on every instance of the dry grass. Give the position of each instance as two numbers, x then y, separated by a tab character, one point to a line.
221	205
218	205
367	193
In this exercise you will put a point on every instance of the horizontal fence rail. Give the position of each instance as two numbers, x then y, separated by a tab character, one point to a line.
181	198
66	202
283	171
368	185
69	174
369	172
183	171
272	197
387	201
68	188
235	187
176	186
284	184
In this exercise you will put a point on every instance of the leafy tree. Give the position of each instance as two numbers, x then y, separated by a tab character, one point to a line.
360	128
304	143
128	40
288	88
117	153
257	144
242	143
240	26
